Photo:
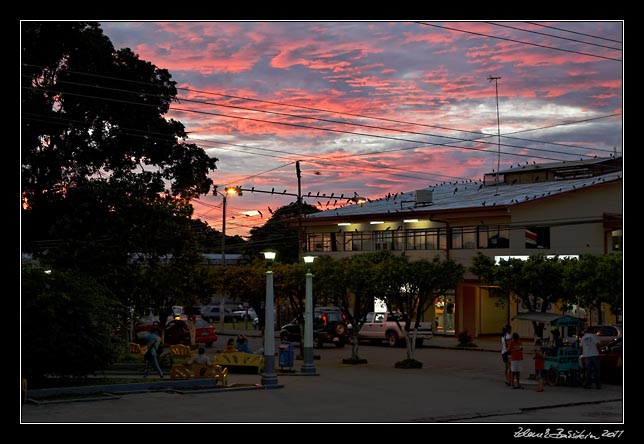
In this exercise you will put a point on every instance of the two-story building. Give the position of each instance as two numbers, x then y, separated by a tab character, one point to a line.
563	208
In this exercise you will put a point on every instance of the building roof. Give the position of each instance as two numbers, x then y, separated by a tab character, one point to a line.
560	165
464	195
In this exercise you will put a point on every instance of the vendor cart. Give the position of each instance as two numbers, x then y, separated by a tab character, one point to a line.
562	363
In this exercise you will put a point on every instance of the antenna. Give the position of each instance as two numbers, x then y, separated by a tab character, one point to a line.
498	130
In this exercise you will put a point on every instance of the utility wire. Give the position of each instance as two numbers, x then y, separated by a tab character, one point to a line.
575	32
519	41
324	160
138	93
552	35
298	125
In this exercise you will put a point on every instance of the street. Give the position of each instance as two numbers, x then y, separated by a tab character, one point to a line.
453	386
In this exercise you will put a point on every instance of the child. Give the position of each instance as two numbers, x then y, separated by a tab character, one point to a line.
515	347
230	346
539	361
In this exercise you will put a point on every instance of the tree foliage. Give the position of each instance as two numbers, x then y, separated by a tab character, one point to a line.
278	234
69	324
106	178
90	110
424	282
540	282
597	279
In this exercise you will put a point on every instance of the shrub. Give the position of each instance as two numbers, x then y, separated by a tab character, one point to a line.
68	325
465	339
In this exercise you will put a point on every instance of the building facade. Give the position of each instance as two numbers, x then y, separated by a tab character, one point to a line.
564	208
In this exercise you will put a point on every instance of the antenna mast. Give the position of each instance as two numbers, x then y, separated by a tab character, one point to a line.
498	130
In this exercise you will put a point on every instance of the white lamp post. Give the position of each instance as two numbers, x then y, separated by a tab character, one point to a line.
308	366
269	377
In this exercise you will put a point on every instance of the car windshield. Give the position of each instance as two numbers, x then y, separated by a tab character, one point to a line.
333	316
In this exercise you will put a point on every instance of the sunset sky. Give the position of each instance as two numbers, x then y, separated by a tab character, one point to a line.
381	107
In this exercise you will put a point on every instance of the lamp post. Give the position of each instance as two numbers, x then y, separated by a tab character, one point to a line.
308	366
269	377
223	234
228	191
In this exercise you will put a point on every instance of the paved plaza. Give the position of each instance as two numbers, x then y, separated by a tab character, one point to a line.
453	386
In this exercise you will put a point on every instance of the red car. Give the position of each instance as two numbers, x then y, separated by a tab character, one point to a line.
177	332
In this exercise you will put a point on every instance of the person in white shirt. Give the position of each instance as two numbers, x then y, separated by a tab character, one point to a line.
590	350
505	354
200	358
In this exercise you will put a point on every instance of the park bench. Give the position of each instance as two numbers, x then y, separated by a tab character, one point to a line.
196	371
138	349
233	360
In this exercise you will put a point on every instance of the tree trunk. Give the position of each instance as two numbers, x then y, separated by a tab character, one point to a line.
192	327
410	339
354	346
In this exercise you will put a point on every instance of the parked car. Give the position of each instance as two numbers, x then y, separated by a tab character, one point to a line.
389	327
246	315
212	313
177	332
606	332
329	326
610	358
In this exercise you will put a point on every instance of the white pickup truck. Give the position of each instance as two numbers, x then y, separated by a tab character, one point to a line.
382	326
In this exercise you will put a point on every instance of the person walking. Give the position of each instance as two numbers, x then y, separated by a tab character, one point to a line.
152	354
590	351
505	355
539	363
515	346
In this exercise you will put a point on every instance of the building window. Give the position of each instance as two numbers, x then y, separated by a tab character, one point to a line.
463	238
415	239
537	237
383	240
493	237
358	241
399	240
422	239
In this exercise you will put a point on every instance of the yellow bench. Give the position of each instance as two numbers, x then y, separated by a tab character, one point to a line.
181	350
240	359
138	349
194	371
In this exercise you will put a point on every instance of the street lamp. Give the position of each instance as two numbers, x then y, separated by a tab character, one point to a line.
229	191
269	377
308	366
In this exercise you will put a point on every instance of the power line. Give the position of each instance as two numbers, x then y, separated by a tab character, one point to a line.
554	36
138	93
575	32
519	41
324	161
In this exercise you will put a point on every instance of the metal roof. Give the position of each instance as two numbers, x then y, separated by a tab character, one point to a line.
465	195
522	168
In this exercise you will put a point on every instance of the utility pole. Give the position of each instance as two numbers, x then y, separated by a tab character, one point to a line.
498	130
223	234
299	211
